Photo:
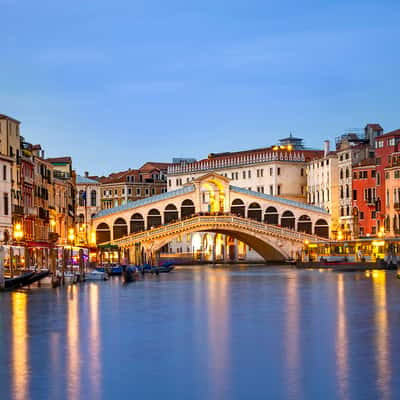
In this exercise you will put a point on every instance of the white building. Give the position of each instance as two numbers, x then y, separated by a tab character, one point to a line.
6	228
323	184
88	204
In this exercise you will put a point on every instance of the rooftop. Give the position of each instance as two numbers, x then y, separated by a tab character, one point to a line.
82	180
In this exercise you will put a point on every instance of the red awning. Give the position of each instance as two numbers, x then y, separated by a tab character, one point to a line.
39	244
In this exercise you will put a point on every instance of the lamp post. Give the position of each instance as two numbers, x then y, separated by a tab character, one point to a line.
18	235
71	238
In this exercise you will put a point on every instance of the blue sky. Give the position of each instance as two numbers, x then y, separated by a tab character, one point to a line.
117	83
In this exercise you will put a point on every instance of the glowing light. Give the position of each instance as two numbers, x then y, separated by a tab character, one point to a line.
18	232
71	234
196	241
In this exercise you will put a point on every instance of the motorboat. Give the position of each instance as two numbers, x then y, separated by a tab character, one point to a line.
96	276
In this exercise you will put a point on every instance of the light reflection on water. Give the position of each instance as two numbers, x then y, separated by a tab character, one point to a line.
204	333
382	335
20	359
342	340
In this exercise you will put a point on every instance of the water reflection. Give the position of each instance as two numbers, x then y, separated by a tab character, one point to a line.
342	356
292	332
94	340
218	331
382	335
73	366
20	345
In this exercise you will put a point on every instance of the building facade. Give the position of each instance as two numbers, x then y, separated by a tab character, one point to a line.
88	203
323	185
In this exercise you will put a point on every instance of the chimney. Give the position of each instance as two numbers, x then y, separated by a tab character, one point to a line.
326	147
86	174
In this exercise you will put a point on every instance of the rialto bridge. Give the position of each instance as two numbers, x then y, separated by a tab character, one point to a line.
274	227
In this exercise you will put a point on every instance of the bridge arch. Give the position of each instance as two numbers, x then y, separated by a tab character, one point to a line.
271	216
137	223
120	228
103	233
170	213
288	220
187	208
153	218
304	224
265	247
321	228
238	208
254	211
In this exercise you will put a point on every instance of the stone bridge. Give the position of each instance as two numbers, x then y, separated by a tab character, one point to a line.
275	227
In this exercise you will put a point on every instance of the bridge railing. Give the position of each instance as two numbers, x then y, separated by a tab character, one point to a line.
219	220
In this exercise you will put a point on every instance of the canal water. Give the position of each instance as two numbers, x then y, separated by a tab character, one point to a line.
206	333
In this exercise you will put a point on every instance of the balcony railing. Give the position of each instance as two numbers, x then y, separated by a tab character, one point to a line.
18	210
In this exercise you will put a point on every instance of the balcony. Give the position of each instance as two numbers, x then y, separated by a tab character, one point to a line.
371	201
30	211
18	210
44	214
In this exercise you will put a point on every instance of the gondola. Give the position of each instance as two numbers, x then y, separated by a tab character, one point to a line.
37	276
19	281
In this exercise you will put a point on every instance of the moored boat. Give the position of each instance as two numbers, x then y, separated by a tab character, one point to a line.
96	276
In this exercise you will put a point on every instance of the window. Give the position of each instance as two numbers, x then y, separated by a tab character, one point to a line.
5	172
271	189
249	174
270	172
93	198
354	194
169	182
279	190
373	173
347	173
5	203
129	191
138	192
244	174
378	178
146	191
361	214
373	214
301	171
278	171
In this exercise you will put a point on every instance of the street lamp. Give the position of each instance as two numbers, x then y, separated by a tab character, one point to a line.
71	238
18	235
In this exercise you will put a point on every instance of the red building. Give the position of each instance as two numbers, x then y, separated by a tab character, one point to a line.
364	199
385	146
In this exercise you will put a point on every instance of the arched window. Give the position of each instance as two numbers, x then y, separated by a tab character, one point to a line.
341	173
304	224
238	208
321	228
271	216
187	208
347	191
103	233
93	198
120	228
170	213
347	173
254	212
288	220
137	223
153	218
82	198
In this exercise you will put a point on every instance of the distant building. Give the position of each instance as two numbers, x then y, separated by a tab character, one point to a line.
88	204
133	184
